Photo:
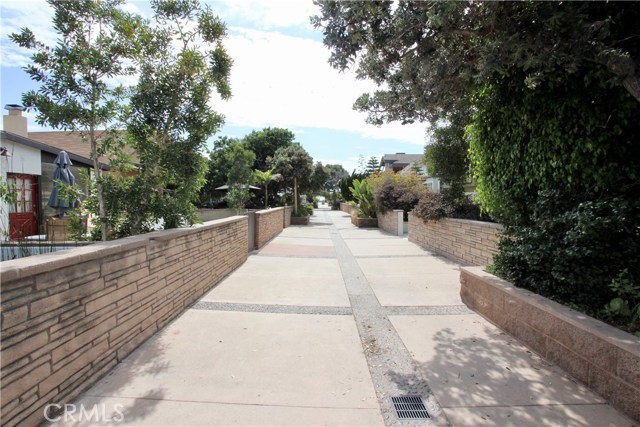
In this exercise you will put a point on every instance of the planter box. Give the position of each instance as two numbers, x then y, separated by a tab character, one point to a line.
364	222
604	358
299	220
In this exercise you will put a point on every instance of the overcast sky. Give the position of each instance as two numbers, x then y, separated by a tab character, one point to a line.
280	78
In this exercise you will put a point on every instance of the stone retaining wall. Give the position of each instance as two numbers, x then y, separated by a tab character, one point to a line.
269	223
604	358
348	208
287	215
465	241
71	316
391	222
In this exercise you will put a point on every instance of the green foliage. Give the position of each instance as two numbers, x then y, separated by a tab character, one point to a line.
346	183
432	207
428	57
240	161
293	161
237	197
218	164
319	178
265	143
372	166
96	42
264	178
396	191
336	173
302	211
624	309
570	249
170	118
363	194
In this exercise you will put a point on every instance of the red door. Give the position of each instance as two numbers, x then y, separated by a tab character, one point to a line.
22	214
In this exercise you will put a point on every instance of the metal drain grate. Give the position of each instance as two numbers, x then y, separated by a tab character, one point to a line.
410	408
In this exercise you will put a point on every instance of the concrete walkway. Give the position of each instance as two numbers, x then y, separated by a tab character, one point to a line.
321	327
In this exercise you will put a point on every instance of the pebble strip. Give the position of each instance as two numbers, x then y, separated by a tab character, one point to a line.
272	308
428	310
392	369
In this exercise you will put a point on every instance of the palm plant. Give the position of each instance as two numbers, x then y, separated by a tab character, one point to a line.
364	196
263	179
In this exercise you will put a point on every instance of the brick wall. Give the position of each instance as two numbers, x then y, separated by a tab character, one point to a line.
287	215
389	222
71	316
467	242
269	223
346	207
604	358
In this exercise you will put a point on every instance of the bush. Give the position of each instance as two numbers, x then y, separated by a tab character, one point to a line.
303	210
572	250
396	191
364	196
432	207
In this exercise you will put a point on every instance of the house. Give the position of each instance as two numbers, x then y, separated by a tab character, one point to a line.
28	164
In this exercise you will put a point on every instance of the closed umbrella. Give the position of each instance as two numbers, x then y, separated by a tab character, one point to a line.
62	174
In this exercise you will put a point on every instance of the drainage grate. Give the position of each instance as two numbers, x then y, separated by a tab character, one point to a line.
410	408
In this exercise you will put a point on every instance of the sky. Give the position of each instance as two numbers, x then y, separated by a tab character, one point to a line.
280	78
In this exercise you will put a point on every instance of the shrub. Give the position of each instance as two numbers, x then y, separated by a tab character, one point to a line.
397	191
432	207
571	251
364	196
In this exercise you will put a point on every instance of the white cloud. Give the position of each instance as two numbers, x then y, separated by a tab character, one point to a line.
279	80
268	14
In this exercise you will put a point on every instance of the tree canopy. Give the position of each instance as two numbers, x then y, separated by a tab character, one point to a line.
264	143
428	57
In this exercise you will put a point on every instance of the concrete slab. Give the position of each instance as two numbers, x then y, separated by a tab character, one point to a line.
254	368
383	246
299	240
306	232
297	250
471	363
352	232
419	266
260	280
416	290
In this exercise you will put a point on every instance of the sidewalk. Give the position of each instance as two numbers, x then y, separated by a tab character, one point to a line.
321	327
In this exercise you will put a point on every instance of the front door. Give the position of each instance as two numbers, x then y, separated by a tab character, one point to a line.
22	214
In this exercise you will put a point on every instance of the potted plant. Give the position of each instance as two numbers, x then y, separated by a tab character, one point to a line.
365	215
301	215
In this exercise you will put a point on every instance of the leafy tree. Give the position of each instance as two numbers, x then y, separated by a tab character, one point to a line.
170	119
264	179
446	158
239	175
96	42
431	56
336	173
266	142
217	166
295	165
372	166
319	177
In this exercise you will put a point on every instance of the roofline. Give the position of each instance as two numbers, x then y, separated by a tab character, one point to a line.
49	149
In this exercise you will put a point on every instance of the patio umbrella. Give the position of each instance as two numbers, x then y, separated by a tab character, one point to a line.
226	187
62	174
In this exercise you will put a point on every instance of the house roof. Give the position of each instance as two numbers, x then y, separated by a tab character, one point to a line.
50	148
399	159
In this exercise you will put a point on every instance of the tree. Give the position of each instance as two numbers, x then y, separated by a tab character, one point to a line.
266	142
239	175
295	165
319	177
336	173
431	56
170	118
217	166
264	178
446	158
96	42
372	166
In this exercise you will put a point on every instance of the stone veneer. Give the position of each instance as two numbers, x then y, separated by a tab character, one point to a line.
391	221
71	316
604	358
270	223
348	208
465	241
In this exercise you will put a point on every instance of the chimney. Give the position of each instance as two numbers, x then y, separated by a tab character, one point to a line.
14	122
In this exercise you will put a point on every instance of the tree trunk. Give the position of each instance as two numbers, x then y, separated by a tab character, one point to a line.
102	211
295	194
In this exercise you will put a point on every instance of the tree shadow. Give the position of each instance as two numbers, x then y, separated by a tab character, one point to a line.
482	376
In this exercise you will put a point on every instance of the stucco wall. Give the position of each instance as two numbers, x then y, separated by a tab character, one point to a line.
69	317
467	242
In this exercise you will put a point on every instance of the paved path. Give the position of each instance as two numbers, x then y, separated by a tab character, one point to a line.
321	327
